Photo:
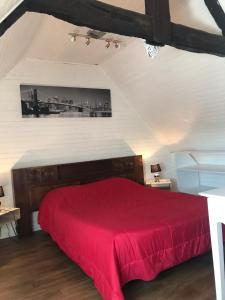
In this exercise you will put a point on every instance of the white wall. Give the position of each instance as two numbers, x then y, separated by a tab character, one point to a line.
180	95
32	142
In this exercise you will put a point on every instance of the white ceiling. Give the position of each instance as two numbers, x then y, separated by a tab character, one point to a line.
188	12
136	5
194	13
179	95
53	43
46	38
15	42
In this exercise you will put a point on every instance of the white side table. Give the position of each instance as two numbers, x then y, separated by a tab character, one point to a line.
164	184
8	216
216	207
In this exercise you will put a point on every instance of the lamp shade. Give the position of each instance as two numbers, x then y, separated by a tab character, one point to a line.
1	192
155	168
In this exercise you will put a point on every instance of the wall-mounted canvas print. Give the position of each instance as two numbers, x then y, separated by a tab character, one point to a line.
64	102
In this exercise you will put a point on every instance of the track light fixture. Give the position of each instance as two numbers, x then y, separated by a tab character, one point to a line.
117	44
109	42
73	37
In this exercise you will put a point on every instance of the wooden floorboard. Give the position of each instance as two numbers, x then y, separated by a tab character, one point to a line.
35	269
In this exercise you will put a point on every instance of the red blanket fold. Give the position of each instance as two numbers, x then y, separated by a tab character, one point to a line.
118	230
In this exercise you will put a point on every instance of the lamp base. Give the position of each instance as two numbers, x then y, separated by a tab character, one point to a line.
157	177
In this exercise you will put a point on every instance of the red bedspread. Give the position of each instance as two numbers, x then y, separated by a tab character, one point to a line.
118	230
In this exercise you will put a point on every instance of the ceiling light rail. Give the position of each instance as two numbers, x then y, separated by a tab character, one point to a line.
109	42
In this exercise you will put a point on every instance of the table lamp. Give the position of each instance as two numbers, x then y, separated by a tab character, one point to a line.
156	169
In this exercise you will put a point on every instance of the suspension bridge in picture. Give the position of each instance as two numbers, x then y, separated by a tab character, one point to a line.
35	103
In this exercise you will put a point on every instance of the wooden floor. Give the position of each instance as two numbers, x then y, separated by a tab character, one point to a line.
35	269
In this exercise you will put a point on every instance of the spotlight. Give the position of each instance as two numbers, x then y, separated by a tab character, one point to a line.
88	41
117	44
73	37
108	44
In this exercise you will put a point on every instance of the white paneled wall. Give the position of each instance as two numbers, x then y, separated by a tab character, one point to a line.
31	142
180	95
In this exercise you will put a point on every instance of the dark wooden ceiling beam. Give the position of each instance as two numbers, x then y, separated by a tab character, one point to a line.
198	41
96	15
159	13
217	12
107	18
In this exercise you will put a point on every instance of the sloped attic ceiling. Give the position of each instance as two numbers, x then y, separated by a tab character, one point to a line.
187	12
155	25
46	37
194	14
12	50
53	43
179	95
191	13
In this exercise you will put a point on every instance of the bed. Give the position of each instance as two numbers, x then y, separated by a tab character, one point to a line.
118	230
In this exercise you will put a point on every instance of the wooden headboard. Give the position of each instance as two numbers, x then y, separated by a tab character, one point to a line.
31	184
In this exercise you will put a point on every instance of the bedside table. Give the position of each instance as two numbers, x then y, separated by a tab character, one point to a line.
163	184
8	216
